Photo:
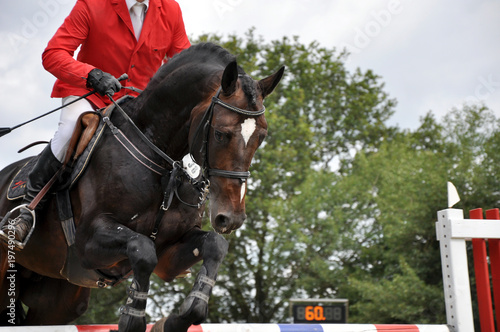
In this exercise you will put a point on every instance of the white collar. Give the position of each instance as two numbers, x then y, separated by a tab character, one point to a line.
130	3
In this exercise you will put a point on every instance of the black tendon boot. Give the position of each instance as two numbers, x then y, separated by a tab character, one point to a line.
44	169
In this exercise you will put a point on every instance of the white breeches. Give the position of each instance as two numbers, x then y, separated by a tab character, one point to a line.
67	122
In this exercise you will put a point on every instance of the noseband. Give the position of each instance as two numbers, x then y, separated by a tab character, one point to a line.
204	127
173	177
202	180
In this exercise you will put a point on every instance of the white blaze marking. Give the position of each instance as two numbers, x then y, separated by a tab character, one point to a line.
243	189
247	129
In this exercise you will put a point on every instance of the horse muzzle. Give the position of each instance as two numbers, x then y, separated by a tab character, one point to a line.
226	223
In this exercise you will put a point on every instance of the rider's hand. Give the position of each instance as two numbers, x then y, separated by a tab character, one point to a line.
102	82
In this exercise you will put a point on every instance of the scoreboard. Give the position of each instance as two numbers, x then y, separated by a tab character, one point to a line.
319	311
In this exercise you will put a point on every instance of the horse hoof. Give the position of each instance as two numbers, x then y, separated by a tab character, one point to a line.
127	323
194	309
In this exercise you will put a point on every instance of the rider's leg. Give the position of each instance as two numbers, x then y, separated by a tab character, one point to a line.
67	122
48	164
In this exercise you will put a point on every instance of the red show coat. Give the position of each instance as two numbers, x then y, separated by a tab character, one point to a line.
104	30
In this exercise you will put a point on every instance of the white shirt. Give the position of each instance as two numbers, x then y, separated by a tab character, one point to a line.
137	22
130	3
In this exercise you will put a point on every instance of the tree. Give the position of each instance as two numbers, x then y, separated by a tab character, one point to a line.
396	267
391	262
473	136
318	115
340	204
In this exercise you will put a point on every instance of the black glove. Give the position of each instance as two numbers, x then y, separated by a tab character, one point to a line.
102	82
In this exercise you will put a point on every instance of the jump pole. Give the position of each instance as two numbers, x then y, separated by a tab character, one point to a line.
452	232
248	328
494	246
481	271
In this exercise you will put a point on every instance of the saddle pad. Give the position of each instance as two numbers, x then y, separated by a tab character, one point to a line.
84	158
17	187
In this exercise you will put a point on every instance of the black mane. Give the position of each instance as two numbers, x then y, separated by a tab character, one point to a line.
203	52
201	62
209	55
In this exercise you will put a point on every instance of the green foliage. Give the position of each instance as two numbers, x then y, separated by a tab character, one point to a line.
104	305
403	299
340	204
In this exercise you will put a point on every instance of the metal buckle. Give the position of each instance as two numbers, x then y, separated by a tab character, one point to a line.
126	310
205	191
101	284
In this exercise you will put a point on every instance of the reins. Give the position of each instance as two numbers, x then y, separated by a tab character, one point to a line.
136	129
170	187
202	128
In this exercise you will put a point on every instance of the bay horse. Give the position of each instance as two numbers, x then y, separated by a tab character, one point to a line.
200	104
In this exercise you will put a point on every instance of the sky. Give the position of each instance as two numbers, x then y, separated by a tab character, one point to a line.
433	56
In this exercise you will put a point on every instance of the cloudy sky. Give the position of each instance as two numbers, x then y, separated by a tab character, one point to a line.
432	55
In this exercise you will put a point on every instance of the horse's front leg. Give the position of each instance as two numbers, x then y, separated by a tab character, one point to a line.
142	255
211	248
113	243
195	306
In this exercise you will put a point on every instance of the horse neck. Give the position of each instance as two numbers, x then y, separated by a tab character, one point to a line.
165	121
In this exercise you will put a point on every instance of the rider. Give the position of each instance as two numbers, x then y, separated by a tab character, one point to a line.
116	37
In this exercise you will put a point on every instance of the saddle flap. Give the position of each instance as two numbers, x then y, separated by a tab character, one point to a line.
83	139
85	129
17	187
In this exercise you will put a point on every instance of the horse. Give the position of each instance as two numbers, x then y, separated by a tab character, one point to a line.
194	129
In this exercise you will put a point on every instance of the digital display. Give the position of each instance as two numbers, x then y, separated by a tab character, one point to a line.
304	313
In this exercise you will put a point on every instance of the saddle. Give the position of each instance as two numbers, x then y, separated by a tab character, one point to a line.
86	136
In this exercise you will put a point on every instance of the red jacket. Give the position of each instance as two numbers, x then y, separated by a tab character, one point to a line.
104	30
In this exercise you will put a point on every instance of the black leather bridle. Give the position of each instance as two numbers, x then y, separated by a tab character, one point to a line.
204	127
173	176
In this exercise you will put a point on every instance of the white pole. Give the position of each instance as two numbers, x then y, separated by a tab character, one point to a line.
455	272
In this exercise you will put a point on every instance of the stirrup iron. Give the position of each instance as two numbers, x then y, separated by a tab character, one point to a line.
10	238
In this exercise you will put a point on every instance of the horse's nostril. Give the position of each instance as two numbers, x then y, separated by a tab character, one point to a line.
222	223
225	224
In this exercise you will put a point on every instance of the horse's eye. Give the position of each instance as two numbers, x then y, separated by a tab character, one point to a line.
219	136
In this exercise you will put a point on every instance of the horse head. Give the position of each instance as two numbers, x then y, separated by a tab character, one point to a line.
233	126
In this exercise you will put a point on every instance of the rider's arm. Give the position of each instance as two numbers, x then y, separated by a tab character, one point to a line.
180	39
58	56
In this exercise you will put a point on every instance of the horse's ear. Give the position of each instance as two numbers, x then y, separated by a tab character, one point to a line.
229	78
269	83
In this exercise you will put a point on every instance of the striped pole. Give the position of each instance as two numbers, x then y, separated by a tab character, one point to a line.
453	231
481	270
247	328
494	247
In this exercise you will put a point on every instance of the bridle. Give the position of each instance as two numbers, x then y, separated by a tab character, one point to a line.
171	179
204	128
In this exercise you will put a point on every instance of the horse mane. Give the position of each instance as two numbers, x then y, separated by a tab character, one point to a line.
203	60
215	54
210	55
206	52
